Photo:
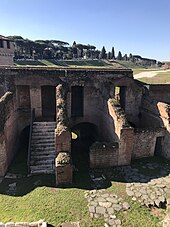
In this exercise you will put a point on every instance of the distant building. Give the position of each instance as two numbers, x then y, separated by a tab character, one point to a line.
6	51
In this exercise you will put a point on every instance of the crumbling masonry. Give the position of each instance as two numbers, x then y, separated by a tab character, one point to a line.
123	118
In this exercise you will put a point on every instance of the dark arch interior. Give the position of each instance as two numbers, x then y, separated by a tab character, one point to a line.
19	163
87	134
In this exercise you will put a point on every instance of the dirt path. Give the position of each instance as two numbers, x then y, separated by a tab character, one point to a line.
145	74
149	73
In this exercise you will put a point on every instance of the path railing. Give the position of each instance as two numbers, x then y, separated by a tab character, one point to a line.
30	139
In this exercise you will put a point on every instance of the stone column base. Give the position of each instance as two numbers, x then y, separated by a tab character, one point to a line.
63	169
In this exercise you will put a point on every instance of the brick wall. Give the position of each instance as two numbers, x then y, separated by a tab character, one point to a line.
103	155
8	135
145	141
156	114
123	131
6	55
160	92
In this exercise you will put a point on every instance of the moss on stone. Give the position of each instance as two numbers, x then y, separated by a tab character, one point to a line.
63	158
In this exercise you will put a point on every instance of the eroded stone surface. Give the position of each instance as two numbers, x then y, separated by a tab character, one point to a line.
104	204
150	191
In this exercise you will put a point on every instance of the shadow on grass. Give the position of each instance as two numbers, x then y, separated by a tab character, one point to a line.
155	167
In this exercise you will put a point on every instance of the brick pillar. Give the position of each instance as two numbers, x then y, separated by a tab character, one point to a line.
63	167
125	146
64	170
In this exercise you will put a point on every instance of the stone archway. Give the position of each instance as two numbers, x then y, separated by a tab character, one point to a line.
83	136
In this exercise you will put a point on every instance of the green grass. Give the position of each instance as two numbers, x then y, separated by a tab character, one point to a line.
141	215
131	65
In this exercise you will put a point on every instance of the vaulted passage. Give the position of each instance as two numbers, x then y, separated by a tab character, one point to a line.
83	136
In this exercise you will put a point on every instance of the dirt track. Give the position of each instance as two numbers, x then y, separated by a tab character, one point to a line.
149	73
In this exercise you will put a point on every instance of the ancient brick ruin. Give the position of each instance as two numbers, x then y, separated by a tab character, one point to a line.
6	51
113	118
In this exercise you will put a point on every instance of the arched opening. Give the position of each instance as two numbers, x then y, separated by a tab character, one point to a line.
19	163
83	136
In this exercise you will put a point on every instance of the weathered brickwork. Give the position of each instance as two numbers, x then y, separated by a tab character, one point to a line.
6	51
160	92
145	141
63	168
132	118
103	155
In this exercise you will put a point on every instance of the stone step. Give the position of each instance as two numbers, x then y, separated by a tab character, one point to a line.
43	145
38	157
42	171
45	140
42	162
43	151
44	126
44	123
41	167
42	131
43	135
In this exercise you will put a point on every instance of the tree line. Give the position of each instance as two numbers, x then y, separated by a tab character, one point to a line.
61	50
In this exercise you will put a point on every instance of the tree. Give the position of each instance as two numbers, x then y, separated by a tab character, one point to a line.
103	53
119	57
125	58
113	53
130	56
109	55
74	43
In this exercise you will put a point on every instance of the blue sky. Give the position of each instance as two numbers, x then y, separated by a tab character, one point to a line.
131	26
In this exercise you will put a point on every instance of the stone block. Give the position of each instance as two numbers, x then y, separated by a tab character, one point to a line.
100	210
21	224
63	169
10	224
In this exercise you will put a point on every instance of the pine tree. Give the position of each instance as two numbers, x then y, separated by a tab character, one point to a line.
103	53
74	43
113	53
109	55
125	58
119	57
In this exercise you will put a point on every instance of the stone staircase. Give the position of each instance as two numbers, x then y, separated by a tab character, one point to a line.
42	148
